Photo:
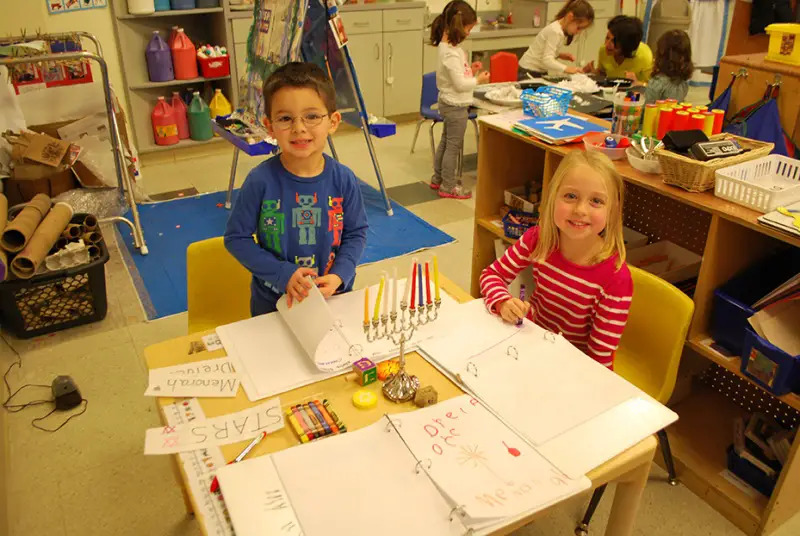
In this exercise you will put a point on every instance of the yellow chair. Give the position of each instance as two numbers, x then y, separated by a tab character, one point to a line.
649	353
218	287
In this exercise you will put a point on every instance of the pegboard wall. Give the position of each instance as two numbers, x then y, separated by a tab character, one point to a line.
749	397
663	218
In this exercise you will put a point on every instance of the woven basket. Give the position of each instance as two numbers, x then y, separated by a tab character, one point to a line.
698	176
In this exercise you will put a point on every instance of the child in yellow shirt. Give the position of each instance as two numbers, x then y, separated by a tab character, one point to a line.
624	55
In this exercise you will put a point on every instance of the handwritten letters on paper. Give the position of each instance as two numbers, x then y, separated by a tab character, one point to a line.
220	430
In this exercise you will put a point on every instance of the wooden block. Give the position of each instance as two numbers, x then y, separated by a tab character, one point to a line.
366	371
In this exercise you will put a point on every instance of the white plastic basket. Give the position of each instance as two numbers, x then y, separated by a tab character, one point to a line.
763	184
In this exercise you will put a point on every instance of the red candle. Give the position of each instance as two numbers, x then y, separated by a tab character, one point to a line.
427	285
413	286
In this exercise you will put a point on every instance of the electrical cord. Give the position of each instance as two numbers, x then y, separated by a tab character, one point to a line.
14	408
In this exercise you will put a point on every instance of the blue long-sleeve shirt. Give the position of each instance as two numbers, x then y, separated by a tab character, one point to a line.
315	222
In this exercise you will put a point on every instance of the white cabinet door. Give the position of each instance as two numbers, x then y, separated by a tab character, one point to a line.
402	72
367	55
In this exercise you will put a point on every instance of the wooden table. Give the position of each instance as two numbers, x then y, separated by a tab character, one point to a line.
629	470
729	239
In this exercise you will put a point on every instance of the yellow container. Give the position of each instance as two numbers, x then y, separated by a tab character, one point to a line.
219	105
784	43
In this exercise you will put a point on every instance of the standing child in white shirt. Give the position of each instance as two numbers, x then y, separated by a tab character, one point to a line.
543	55
456	79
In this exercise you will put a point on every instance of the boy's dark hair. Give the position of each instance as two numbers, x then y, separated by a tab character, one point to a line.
627	32
674	55
298	75
455	17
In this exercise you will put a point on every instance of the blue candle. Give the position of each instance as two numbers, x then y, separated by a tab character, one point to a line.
419	274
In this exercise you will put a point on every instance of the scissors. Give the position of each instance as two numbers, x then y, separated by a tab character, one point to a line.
792	214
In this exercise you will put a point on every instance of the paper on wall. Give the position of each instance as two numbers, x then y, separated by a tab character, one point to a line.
202	386
231	428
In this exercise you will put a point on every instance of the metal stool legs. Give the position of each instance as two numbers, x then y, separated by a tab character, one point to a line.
583	528
663	442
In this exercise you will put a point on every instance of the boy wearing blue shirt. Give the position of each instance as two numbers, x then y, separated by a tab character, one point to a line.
305	208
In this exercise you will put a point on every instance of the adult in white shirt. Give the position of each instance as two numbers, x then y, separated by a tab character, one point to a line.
543	54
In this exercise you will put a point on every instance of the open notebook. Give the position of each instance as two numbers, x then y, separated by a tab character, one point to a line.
576	412
314	340
439	470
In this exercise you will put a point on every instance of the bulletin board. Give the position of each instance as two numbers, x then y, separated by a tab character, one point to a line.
55	7
27	77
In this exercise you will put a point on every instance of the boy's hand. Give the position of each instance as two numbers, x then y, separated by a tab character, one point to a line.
571	69
327	284
483	78
513	310
589	67
476	66
566	56
298	285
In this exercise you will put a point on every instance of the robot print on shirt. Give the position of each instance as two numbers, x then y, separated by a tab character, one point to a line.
306	217
336	219
271	224
305	262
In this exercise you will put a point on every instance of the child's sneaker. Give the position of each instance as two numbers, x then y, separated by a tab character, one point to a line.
456	192
435	185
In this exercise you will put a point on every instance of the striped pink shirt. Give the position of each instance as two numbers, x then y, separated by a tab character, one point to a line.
587	304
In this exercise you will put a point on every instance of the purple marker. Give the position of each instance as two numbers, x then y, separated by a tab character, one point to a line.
522	298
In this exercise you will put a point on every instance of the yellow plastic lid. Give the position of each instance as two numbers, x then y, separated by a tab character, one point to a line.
785	27
364	399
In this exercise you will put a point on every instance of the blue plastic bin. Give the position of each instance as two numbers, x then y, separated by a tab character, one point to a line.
769	366
750	473
733	300
382	130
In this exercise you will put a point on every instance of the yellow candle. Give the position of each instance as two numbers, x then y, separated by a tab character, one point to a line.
366	305
436	275
378	302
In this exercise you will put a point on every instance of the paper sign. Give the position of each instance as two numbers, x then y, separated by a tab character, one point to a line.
222	430
221	365
480	463
257	500
204	385
212	342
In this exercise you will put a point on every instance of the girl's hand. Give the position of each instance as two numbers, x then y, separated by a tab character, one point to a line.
589	67
476	66
513	310
328	284
566	56
630	75
571	69
298	285
483	78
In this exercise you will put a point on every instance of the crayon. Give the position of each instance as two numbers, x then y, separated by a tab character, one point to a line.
335	417
326	416
304	438
303	423
319	417
312	422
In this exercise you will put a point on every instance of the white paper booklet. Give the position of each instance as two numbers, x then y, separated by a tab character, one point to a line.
314	340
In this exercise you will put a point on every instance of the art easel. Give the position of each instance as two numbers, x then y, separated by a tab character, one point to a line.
123	179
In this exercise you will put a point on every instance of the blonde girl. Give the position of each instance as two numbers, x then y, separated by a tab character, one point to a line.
456	79
583	287
543	54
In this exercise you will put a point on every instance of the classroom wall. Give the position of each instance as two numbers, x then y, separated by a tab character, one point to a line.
60	104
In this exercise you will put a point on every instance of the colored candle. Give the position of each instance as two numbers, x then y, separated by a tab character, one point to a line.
411	279
413	284
427	284
394	291
386	300
419	277
436	276
378	302
366	305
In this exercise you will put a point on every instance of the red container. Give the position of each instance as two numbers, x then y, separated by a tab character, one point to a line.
719	117
165	128
182	120
680	121
215	67
184	57
665	118
503	67
697	122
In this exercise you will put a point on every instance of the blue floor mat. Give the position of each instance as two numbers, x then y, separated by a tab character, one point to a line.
170	226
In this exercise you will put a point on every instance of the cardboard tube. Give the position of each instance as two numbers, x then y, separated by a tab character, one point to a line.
90	223
17	233
94	252
72	231
3	212
26	262
92	238
3	265
60	244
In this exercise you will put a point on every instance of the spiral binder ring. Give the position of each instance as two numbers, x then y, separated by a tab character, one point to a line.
355	350
417	466
511	351
550	336
457	510
392	425
472	368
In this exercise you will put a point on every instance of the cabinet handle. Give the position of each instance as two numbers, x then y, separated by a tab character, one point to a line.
389	57
377	52
403	21
361	24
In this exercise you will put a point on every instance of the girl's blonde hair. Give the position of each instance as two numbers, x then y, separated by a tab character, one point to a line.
612	234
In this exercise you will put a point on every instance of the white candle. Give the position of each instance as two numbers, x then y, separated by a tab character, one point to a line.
386	298
394	290
409	281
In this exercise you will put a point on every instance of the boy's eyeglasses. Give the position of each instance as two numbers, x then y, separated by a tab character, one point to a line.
285	122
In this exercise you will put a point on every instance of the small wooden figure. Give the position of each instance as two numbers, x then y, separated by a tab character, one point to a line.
366	371
426	396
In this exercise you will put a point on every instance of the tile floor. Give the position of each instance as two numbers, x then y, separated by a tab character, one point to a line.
90	478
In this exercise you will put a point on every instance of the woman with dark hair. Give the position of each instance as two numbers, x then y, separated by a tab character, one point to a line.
673	67
624	55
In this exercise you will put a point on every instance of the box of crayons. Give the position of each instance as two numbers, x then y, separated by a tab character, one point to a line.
313	420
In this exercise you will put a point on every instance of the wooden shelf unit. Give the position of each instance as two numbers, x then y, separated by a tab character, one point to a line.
183	144
204	25
729	239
